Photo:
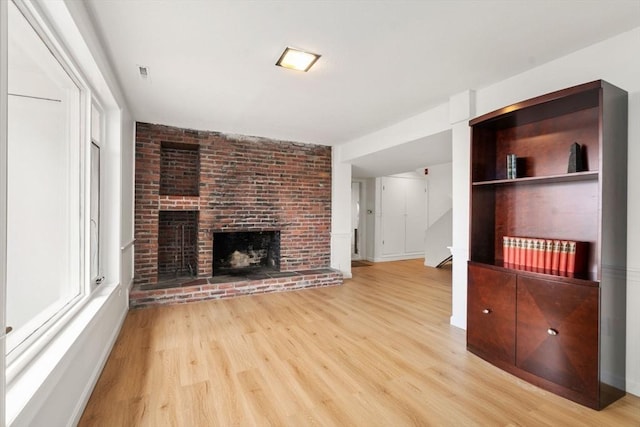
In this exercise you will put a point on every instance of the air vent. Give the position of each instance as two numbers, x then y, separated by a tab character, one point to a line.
144	71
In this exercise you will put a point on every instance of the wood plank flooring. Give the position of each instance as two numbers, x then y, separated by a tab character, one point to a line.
377	351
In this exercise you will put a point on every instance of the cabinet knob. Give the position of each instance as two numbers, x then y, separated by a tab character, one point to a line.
552	332
486	311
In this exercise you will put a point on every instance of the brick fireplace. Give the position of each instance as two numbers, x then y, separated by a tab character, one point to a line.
196	188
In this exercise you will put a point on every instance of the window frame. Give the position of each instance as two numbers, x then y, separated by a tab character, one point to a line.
22	354
4	33
98	142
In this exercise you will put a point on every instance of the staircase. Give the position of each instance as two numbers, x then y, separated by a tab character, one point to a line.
438	240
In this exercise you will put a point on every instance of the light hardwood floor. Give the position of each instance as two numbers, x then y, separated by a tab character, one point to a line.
377	351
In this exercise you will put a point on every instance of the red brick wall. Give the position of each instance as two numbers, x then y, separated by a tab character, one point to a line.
244	184
179	171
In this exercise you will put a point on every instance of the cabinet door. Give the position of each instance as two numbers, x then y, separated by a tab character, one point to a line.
557	332
393	216
416	217
491	322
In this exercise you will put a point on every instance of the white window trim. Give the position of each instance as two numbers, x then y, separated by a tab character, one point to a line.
35	382
3	195
20	357
95	103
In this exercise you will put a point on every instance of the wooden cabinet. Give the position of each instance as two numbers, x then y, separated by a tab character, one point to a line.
563	332
557	330
492	311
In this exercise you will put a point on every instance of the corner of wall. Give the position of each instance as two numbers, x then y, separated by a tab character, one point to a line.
462	108
340	213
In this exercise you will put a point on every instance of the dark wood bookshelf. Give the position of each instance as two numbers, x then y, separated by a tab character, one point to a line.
543	326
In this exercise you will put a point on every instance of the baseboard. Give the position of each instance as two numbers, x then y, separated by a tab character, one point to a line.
458	323
633	387
398	257
95	375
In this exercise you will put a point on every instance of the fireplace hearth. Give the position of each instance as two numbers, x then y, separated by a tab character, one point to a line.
246	253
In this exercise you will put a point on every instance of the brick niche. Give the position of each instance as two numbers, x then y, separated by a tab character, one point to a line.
208	182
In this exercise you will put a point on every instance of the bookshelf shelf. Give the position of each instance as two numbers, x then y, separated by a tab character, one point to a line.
510	308
568	177
583	279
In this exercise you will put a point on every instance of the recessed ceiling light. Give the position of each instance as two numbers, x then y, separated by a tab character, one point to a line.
295	59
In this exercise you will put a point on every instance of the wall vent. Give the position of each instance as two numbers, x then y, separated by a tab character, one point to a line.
144	71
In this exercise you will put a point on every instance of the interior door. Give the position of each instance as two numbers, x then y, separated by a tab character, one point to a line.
356	232
393	216
416	216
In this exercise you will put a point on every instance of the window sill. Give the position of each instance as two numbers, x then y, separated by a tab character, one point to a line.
35	370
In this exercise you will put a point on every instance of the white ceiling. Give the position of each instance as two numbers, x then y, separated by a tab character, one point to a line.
211	63
410	156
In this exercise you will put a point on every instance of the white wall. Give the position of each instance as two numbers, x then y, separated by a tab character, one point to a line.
615	60
439	190
461	137
127	243
439	216
340	214
428	123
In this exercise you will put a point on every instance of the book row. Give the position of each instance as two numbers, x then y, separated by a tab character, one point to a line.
561	256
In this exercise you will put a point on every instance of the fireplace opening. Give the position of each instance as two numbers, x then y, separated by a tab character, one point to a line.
246	253
177	245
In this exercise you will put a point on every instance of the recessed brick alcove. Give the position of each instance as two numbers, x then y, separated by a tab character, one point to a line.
192	184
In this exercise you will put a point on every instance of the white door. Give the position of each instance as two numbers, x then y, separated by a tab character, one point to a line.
393	216
416	217
356	232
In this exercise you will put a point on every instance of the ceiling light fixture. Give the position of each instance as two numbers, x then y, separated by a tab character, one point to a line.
295	59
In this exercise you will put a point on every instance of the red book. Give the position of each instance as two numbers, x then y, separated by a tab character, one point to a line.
528	253
534	254
555	256
548	251
538	255
505	250
516	250
521	251
577	257
512	250
564	252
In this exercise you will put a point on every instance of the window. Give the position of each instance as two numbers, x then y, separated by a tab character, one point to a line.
95	202
46	263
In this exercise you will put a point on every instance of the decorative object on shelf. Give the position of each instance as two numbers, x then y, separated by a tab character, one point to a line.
512	166
576	162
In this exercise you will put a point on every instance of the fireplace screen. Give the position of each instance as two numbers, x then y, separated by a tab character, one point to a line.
246	252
